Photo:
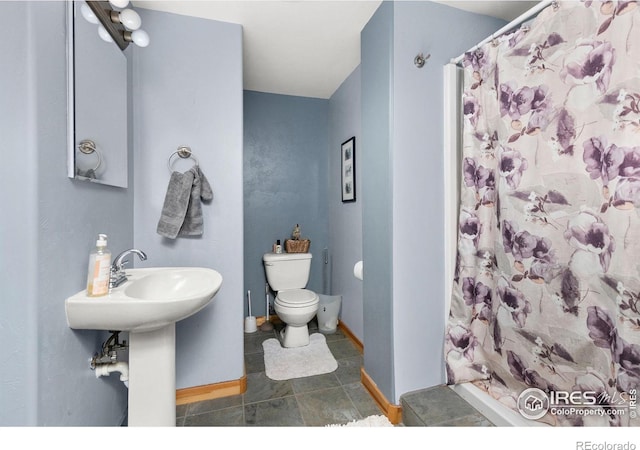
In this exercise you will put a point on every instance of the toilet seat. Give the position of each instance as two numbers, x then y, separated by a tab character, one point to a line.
297	298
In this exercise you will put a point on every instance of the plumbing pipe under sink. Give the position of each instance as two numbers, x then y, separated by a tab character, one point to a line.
107	368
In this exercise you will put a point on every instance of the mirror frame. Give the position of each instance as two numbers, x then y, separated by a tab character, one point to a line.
121	180
71	107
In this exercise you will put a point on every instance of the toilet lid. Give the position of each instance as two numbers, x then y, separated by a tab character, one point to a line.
296	297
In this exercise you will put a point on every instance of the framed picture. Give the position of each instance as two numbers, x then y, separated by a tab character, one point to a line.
348	159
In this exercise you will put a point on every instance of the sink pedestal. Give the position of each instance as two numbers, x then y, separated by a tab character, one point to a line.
148	305
152	377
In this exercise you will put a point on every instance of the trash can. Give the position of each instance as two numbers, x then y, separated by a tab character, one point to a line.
328	311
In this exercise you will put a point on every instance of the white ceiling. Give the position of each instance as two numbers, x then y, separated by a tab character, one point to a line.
305	47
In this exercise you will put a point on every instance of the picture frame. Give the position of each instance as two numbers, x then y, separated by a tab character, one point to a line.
348	168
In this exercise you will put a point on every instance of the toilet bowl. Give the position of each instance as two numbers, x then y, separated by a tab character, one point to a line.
288	274
296	307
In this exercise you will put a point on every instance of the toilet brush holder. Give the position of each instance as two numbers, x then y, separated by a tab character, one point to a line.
250	325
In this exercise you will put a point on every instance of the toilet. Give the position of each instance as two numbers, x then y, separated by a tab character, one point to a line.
288	274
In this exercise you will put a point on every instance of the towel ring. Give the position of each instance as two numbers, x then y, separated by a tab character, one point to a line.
183	152
87	147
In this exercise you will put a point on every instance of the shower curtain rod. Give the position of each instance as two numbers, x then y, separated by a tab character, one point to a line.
514	23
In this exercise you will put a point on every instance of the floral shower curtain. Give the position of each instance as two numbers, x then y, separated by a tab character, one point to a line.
547	285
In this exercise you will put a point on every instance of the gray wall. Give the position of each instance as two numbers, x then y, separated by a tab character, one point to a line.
51	222
285	183
377	206
188	91
49	226
418	272
345	219
402	121
418	182
18	227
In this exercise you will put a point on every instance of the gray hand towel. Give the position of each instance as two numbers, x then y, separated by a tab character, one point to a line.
176	202
182	210
200	192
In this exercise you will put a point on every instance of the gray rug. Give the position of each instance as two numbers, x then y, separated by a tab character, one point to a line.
288	363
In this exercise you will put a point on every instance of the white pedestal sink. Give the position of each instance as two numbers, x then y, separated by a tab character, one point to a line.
148	306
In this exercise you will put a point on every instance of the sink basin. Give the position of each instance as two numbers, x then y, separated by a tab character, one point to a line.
148	305
150	299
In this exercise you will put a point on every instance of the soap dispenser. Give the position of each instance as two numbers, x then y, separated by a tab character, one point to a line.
99	268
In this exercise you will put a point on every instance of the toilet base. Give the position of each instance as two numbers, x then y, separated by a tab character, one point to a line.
295	336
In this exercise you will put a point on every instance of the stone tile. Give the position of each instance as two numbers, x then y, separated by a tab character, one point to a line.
338	335
278	412
338	397
277	328
313	325
260	388
409	417
472	420
228	417
437	405
253	342
348	370
214	404
254	362
325	407
314	383
362	400
181	410
342	349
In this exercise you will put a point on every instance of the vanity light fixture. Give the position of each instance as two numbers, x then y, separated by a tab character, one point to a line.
104	34
138	37
119	3
119	26
128	18
88	14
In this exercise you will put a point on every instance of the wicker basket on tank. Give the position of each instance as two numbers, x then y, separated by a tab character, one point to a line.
297	245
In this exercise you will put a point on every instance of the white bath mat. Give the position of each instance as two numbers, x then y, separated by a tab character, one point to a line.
371	421
287	363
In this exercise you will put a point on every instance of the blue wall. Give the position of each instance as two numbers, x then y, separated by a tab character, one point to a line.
285	183
49	225
403	230
188	91
51	222
377	208
345	219
419	181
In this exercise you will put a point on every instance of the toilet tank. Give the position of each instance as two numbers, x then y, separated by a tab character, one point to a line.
287	270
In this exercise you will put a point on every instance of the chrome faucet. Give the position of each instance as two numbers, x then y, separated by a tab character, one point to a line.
118	275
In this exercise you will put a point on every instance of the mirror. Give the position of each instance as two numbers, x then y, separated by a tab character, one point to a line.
97	104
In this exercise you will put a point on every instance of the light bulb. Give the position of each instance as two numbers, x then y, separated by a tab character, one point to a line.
140	38
130	19
119	3
88	14
104	34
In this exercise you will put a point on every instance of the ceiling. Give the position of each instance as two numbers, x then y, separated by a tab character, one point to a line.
306	47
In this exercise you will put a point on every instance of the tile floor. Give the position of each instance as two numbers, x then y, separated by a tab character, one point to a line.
336	397
332	398
439	406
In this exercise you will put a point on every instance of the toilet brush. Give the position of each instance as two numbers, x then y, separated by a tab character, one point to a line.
266	326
